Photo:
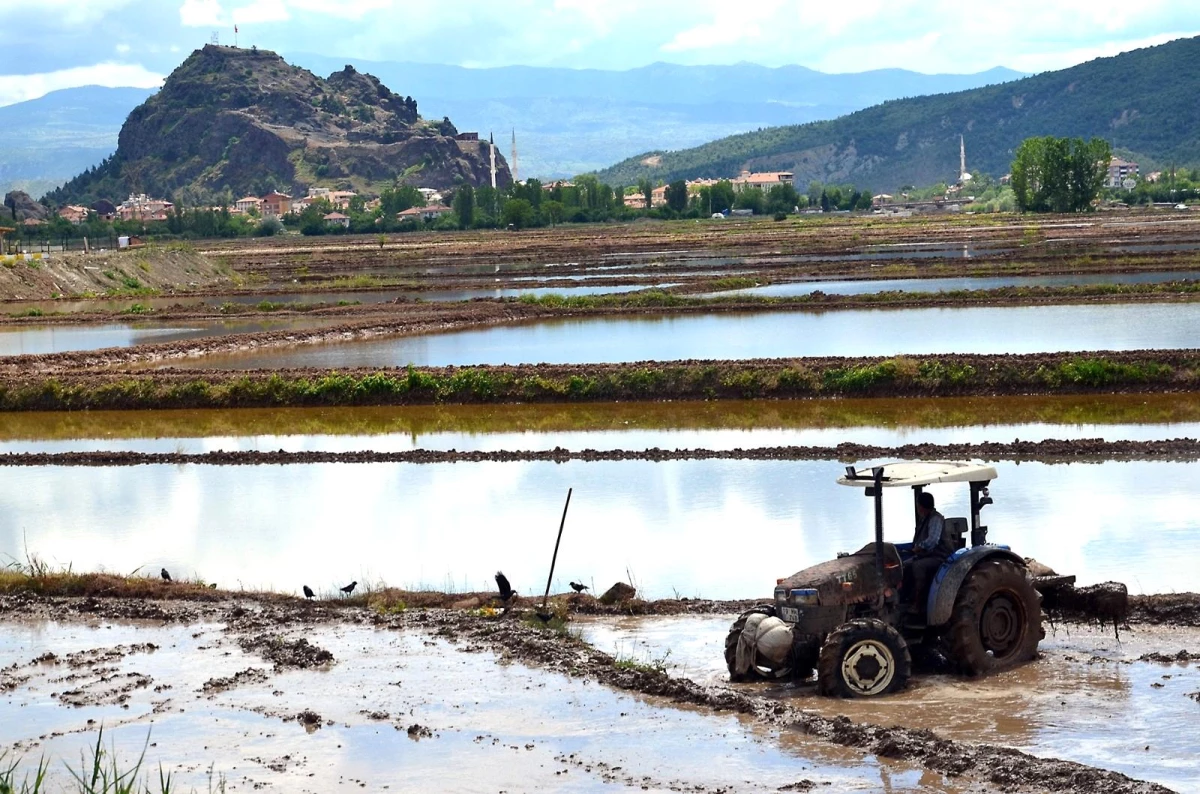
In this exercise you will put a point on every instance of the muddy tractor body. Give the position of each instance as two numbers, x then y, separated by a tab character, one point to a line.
852	622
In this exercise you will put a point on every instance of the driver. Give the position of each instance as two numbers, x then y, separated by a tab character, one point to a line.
931	546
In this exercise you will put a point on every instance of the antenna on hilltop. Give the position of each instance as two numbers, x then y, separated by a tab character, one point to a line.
215	39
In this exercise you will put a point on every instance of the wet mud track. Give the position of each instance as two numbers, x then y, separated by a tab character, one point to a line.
394	681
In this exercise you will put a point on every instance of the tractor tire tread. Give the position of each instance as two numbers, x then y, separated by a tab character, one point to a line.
829	663
965	644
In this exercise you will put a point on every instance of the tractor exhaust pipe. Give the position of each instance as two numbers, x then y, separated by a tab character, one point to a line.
876	492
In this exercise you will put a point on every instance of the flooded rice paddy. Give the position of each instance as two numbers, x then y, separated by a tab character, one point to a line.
1033	329
670	525
486	726
33	339
873	286
607	426
1089	698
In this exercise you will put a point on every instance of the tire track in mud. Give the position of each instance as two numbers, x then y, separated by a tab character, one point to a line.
1003	767
1048	451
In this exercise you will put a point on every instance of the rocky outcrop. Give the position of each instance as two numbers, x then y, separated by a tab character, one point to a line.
20	206
234	121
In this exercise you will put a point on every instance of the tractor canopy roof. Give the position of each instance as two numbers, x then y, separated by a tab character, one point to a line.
909	474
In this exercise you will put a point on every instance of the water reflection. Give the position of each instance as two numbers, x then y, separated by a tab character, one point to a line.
674	526
1033	329
670	425
38	339
861	287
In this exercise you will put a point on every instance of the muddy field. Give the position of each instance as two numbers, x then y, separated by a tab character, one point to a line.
310	695
1045	451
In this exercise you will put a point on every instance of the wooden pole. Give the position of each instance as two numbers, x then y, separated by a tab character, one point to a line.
554	559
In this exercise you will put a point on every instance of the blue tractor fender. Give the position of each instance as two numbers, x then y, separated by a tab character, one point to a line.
944	590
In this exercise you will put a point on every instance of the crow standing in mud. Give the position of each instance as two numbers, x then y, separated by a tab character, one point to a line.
308	593
506	591
166	577
579	588
348	589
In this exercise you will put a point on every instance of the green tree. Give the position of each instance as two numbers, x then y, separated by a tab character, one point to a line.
677	195
518	213
1059	174
464	206
553	211
646	188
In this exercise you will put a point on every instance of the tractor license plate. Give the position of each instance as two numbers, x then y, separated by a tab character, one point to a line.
790	614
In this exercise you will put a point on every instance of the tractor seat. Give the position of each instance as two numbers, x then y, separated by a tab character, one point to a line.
957	529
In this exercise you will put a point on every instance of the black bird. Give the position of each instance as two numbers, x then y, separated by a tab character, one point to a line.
166	576
579	588
506	591
308	593
348	589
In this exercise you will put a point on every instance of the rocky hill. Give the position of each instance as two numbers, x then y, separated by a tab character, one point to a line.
1143	102
229	122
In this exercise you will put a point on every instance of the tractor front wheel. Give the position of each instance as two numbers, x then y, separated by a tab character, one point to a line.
863	658
997	619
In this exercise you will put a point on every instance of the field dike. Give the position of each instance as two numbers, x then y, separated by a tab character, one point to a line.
256	623
27	389
1046	451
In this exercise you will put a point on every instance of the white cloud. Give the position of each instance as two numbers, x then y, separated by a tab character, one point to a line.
19	88
1050	60
261	12
202	14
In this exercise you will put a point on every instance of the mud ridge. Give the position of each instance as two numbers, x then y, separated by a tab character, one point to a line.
1049	450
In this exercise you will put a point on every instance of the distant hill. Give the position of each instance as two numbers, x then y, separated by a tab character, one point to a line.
569	121
46	141
229	121
1143	102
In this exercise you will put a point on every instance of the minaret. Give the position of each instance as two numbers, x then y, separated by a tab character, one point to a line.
492	143
963	174
516	178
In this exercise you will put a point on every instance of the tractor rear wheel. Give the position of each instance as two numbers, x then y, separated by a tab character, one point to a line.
756	673
863	658
997	619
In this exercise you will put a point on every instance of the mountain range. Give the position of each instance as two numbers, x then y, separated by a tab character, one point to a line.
1143	102
48	140
567	121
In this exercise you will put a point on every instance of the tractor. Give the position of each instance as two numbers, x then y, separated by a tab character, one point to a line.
848	620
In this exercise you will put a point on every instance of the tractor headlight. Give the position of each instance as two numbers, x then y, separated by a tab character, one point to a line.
804	598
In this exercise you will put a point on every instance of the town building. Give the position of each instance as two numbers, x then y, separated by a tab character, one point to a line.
763	181
432	212
340	199
143	208
1119	170
245	206
74	214
338	219
276	204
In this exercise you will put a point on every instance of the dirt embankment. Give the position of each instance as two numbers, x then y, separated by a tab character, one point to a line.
64	382
1049	450
152	269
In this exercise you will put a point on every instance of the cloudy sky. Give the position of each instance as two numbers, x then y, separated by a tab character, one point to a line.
55	44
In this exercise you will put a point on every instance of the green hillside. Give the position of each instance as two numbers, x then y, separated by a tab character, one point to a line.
1143	102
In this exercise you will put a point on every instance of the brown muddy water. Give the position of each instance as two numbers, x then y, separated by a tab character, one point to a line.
34	339
606	426
396	710
1089	699
673	527
748	335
